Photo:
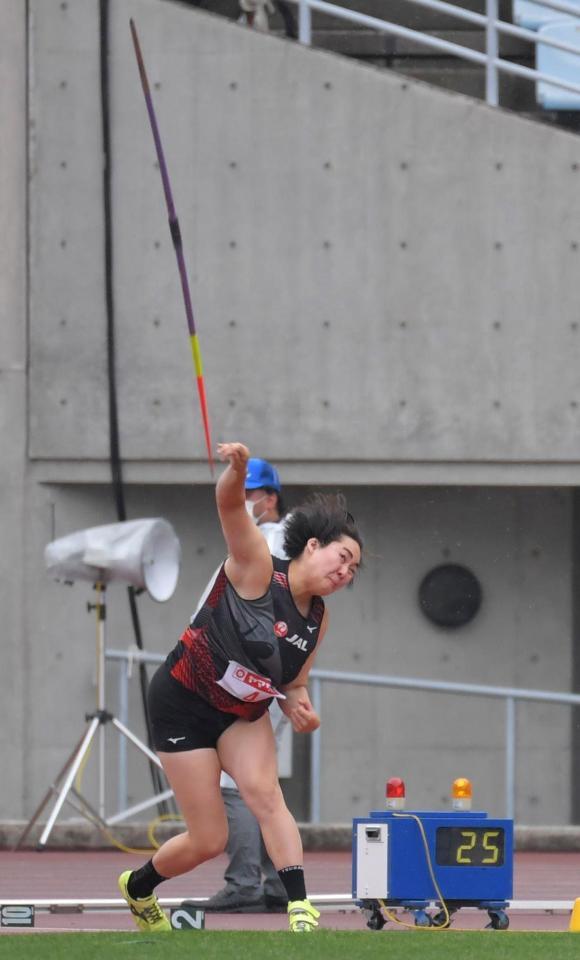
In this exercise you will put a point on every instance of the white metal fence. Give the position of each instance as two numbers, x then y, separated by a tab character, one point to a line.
488	22
318	678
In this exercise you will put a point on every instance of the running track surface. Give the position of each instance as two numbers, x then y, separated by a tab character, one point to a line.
93	874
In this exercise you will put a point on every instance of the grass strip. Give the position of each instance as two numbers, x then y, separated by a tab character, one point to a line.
322	945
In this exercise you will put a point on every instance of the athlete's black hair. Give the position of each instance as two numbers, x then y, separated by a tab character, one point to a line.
323	516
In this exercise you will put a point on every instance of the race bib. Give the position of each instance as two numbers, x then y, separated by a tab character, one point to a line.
246	685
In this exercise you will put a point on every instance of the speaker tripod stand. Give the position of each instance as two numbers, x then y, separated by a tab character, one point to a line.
64	788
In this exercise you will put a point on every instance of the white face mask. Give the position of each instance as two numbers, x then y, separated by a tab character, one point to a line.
250	504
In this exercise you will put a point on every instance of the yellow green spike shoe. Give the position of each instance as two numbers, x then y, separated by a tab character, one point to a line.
147	913
302	916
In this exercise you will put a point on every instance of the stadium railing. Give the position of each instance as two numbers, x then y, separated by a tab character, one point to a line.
489	22
318	677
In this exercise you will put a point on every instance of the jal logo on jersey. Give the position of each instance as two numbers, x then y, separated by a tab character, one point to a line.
297	641
281	630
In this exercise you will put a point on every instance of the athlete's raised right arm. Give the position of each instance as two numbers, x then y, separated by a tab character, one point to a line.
249	564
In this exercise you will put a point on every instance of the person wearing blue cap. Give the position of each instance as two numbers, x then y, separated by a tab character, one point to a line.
264	503
244	890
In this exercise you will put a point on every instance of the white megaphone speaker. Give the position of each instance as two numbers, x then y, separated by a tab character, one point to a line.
144	553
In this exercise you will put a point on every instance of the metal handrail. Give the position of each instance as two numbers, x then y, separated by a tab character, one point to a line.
511	695
490	22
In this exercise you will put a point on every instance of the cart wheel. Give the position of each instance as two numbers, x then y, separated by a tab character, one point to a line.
440	919
499	920
422	919
375	921
373	914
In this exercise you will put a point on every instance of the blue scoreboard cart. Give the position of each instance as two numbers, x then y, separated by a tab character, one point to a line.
418	859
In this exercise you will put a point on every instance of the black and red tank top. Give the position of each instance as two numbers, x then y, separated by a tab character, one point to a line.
237	653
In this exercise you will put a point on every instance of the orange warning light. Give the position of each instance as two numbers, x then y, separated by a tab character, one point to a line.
461	794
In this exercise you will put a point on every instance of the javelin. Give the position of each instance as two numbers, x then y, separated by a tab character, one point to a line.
177	245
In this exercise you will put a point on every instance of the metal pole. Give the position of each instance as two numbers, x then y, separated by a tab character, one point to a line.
138	808
74	768
492	51
124	718
304	23
331	899
101	612
140	746
316	688
510	758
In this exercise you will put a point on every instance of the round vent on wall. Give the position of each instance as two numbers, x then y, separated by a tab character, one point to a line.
450	595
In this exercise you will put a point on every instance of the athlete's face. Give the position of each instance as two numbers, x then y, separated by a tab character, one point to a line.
335	565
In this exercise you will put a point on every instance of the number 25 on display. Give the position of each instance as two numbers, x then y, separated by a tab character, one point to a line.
488	843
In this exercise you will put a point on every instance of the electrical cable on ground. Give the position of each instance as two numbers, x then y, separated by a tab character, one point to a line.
389	915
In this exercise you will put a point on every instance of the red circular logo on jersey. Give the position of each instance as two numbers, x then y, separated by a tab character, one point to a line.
280	628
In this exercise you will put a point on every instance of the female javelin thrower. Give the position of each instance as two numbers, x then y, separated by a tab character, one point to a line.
255	638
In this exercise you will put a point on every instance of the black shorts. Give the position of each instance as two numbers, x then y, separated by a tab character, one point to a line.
180	719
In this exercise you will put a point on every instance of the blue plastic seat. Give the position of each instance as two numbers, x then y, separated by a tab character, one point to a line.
558	63
533	16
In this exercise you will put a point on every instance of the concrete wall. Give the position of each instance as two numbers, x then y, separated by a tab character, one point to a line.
384	283
517	542
13	392
350	220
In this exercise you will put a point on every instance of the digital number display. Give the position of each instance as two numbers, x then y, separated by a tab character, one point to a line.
470	846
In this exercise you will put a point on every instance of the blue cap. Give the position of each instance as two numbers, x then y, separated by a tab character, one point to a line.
261	474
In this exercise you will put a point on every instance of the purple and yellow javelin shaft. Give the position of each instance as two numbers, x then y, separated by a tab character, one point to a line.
177	245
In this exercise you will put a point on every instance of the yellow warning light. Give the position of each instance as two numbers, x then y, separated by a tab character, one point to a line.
461	794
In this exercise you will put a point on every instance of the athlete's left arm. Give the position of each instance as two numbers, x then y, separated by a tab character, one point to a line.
297	705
